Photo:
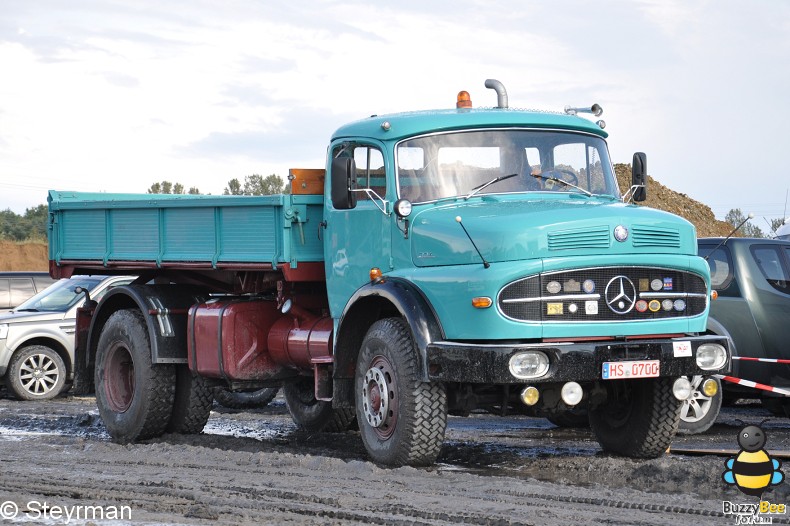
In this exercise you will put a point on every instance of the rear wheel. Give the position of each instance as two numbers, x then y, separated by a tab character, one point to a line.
401	418
639	418
36	372
192	403
314	415
134	396
699	411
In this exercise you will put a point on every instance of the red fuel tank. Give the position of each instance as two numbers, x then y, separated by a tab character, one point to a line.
228	338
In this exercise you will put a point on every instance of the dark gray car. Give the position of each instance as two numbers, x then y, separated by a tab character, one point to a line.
752	279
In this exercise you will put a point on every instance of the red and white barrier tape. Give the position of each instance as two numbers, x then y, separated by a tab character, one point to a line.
755	385
767	360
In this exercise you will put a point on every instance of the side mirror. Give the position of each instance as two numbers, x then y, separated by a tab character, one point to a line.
639	176
344	180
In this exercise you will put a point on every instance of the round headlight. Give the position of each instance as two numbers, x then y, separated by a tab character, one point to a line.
403	207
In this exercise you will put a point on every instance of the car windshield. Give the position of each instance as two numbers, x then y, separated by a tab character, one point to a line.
59	296
501	161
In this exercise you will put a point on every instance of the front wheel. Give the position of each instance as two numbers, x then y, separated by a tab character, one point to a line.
134	396
36	373
699	411
638	419
401	418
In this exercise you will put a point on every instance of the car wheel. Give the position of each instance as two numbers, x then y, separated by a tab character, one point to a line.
36	372
699	411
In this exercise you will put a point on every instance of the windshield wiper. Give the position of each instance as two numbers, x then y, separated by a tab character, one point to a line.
477	189
26	310
566	183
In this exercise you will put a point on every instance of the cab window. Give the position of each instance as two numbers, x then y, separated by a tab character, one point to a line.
769	261
722	277
371	175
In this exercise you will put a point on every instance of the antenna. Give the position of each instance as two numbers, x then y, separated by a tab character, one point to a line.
750	216
486	264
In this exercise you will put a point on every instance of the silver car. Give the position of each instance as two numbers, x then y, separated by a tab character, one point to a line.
37	337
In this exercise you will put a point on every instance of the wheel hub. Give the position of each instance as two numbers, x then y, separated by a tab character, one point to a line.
38	374
375	394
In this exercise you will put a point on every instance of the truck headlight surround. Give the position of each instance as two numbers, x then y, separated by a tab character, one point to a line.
711	356
529	364
3	331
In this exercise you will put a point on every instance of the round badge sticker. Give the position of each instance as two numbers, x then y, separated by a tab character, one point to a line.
654	305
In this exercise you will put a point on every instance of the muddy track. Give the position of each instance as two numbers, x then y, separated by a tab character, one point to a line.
256	468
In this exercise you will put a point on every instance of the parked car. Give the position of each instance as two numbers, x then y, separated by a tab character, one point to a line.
37	337
752	279
16	287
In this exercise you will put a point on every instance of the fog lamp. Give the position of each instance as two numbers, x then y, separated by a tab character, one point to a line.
529	364
682	388
710	387
572	393
530	395
711	356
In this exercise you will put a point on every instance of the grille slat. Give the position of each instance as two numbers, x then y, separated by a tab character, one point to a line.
530	299
649	236
597	237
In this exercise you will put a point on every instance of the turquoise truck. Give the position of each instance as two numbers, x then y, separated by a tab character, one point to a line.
443	262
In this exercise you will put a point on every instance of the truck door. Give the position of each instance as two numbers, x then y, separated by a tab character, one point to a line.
358	239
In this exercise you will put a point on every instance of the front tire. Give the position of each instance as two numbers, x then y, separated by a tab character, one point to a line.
402	419
36	372
639	418
134	396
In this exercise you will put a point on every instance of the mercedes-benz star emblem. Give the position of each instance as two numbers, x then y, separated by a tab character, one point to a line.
620	295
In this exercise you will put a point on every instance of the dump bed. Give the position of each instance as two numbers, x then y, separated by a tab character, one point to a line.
94	231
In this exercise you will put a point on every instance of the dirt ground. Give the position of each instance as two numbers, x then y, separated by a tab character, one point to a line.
23	256
256	468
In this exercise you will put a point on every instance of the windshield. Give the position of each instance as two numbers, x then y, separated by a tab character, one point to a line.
455	164
59	296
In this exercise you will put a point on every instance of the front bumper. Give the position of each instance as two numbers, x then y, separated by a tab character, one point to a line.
572	361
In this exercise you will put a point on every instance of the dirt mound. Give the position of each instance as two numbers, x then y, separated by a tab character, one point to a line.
23	256
663	198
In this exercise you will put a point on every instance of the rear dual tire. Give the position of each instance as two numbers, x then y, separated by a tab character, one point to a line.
137	399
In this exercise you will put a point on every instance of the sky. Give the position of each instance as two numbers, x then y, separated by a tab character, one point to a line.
114	95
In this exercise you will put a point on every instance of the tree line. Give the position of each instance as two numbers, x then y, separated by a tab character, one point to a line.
32	225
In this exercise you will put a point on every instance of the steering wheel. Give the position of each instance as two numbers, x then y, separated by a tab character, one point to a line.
562	174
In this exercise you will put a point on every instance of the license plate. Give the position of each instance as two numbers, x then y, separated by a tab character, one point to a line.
634	369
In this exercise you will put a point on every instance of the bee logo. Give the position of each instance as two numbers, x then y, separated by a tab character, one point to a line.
753	470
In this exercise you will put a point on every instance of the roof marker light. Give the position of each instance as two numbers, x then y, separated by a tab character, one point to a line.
464	100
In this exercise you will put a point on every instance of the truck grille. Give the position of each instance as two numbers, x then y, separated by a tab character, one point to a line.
604	294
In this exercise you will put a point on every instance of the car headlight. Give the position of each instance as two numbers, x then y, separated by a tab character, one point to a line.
3	331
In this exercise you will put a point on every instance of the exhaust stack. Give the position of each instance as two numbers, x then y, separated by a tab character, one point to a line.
501	92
